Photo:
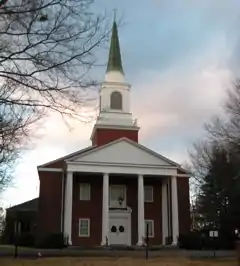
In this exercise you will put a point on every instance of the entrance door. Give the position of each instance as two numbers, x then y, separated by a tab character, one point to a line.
118	231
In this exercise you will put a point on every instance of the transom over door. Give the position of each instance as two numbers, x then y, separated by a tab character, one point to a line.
117	196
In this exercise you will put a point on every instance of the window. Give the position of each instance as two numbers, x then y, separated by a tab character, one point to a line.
84	191
84	227
150	224
148	193
116	100
117	196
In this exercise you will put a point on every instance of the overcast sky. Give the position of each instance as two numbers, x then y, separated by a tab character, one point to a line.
180	57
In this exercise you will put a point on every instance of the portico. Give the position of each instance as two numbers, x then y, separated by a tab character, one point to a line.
108	165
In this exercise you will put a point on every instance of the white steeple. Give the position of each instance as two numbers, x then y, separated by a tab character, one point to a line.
115	92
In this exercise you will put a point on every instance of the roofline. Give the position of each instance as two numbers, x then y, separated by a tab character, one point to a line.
21	203
95	147
137	145
184	170
66	156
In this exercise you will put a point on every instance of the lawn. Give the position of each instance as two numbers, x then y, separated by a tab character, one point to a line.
117	262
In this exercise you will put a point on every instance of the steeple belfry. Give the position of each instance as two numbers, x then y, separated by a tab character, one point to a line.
115	118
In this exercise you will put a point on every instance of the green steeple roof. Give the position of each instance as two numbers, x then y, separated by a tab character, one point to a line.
114	58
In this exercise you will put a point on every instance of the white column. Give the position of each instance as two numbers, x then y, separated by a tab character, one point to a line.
164	212
175	222
68	207
105	209
141	222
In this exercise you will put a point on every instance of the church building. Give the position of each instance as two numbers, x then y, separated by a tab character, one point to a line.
108	193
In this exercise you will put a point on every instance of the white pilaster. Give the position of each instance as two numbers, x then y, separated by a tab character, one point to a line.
68	207
164	212
141	222
105	209
175	222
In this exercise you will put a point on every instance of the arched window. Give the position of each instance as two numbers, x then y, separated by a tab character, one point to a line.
116	100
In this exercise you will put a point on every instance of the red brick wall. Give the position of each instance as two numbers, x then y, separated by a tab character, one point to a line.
50	202
103	135
153	210
87	209
183	205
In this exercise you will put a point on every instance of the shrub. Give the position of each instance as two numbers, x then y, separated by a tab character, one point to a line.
201	240
26	240
54	240
192	240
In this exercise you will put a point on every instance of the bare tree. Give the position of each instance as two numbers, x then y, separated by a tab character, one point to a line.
215	163
46	51
2	221
221	132
227	130
47	48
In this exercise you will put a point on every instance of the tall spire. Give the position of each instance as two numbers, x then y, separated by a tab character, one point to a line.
114	58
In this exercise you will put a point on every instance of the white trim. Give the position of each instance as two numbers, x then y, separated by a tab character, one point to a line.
89	190
62	203
175	215
141	215
184	175
121	169
68	207
123	85
152	189
122	164
45	169
152	222
88	233
105	209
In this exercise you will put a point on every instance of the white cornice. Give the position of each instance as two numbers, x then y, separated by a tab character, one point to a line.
45	169
122	169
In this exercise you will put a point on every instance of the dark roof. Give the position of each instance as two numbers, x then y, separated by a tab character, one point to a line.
114	58
67	156
30	205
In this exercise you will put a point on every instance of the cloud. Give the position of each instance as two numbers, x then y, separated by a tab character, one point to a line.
180	101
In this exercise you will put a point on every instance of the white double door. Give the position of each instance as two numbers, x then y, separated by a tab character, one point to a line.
119	231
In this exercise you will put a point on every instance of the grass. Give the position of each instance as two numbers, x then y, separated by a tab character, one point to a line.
117	262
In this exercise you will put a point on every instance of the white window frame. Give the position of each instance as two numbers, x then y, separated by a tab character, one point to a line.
152	199
125	195
89	191
79	227
152	222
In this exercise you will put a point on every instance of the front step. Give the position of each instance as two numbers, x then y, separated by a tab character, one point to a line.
125	248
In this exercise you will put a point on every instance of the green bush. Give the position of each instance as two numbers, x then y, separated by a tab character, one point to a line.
53	241
192	240
201	240
25	240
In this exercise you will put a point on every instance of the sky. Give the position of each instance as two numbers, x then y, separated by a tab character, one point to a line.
180	57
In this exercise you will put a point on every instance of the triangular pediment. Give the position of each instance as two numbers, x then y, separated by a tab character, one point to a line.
123	151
